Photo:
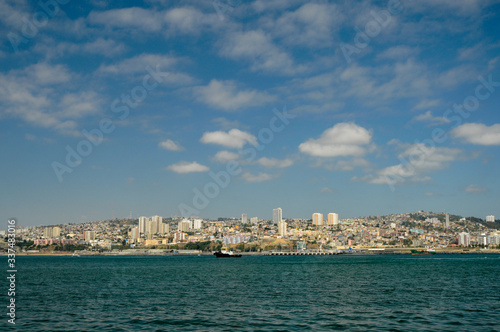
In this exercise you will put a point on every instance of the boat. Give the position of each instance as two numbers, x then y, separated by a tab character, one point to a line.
75	254
225	252
423	252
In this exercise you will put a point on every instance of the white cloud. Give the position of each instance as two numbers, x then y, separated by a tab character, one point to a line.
225	156
133	17
400	52
478	133
420	160
41	95
171	145
428	117
139	63
271	162
258	48
184	167
312	24
343	139
475	189
426	104
225	95
261	177
181	20
235	138
325	190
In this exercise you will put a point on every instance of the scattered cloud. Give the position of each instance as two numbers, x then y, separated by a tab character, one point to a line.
272	162
261	177
478	133
185	167
225	156
325	190
170	145
226	96
257	47
433	120
343	139
235	138
419	160
475	189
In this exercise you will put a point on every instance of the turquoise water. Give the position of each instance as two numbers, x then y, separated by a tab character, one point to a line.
261	293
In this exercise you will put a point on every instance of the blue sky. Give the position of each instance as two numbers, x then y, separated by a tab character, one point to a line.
355	107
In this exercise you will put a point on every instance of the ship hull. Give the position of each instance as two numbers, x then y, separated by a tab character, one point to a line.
224	255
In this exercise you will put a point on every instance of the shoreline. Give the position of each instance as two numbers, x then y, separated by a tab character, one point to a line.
167	252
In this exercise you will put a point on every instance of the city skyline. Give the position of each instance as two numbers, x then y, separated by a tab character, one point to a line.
193	110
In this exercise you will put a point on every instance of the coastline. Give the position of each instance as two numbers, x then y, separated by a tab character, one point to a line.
168	252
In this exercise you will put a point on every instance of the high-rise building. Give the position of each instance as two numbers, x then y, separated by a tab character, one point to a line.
490	218
166	228
89	236
464	239
333	219
158	221
196	224
277	215
134	234
184	225
142	224
254	220
447	221
244	218
317	219
52	232
483	239
282	225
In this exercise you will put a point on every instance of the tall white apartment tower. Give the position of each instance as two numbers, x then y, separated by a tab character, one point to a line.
282	228
158	224
317	219
244	218
142	224
447	221
490	218
333	219
277	215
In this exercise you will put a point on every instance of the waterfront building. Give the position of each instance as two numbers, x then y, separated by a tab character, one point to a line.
282	228
317	219
464	239
483	239
235	239
277	215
